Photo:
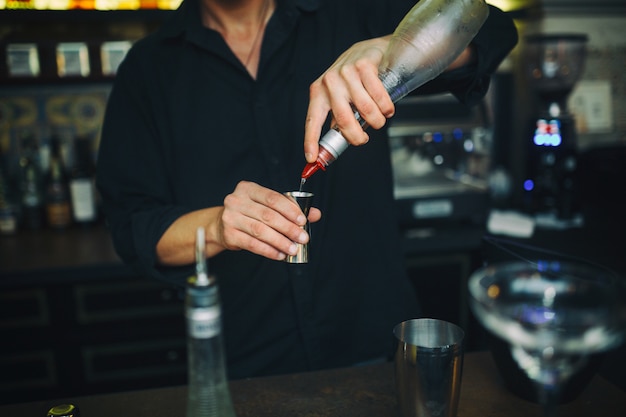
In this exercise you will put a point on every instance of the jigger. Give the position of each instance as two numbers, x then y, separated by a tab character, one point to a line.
303	199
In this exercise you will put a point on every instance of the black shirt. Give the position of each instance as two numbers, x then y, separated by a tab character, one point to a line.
185	123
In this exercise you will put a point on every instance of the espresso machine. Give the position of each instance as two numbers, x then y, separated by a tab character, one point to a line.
441	156
553	63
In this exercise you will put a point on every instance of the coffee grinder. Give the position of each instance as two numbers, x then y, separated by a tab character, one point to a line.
553	64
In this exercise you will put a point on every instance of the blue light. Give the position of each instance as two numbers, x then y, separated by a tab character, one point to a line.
437	137
548	133
547	139
536	315
529	185
457	133
549	266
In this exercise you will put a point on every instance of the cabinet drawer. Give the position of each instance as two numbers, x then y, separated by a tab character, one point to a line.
23	308
124	300
127	361
27	370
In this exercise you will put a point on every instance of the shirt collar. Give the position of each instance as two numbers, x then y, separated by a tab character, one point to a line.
187	17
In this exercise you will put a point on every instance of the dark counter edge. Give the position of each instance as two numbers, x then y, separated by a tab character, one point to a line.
95	258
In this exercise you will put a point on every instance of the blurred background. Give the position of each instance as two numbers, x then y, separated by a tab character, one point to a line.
539	167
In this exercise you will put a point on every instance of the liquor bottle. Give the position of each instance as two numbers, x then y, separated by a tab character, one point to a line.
82	187
58	202
32	201
8	210
207	392
413	57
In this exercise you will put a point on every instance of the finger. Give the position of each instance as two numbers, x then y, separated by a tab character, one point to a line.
368	70
317	114
368	94
280	215
340	101
243	230
264	235
377	91
314	215
274	203
244	241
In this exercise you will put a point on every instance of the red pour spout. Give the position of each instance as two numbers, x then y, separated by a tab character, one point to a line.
324	158
311	168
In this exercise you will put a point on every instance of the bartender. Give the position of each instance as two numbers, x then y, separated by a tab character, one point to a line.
204	128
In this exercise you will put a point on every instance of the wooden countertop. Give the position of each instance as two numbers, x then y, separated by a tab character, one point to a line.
366	391
57	254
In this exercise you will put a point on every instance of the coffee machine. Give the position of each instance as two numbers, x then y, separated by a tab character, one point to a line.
441	156
553	63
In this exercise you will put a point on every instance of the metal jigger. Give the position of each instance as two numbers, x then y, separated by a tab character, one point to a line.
303	199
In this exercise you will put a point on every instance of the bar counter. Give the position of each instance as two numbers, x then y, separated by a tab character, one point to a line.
366	391
52	256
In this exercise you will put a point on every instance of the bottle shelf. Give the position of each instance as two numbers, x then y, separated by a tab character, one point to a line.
69	46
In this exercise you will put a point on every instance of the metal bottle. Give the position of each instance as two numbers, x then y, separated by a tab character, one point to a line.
208	394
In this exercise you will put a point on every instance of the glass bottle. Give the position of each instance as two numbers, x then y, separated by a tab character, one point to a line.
8	211
82	187
429	38
58	202
208	393
31	193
